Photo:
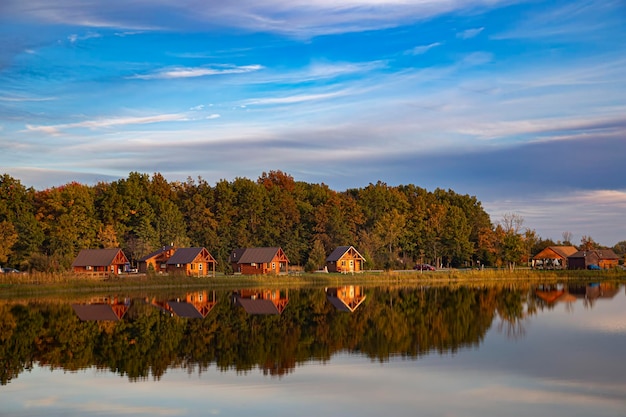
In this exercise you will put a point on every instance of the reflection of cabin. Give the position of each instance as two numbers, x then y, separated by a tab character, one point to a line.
196	305
259	261
100	262
604	258
553	257
262	302
156	261
346	298
345	259
109	310
552	294
191	262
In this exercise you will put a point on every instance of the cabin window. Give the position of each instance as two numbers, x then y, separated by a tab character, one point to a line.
343	263
163	266
192	266
199	267
88	268
273	265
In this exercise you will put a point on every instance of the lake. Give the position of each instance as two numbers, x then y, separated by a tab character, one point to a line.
514	350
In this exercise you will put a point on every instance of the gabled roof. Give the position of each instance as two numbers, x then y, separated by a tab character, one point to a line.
236	254
338	253
184	256
96	257
597	253
156	253
560	251
256	255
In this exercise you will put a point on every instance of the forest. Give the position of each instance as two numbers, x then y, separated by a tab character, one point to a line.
393	227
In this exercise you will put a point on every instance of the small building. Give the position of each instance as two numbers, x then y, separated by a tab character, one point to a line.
603	258
101	262
191	262
259	261
345	259
553	257
157	260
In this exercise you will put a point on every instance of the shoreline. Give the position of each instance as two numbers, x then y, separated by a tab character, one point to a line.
55	284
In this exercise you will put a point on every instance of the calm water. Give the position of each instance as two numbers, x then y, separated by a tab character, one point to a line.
349	351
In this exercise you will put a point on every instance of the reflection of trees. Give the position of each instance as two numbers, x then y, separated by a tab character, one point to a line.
405	322
510	309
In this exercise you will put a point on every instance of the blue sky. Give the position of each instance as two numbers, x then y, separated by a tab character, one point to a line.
520	103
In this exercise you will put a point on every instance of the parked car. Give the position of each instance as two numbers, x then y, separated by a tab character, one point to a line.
593	267
424	267
10	271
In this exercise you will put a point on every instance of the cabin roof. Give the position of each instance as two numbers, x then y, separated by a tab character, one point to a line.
96	257
559	251
254	255
338	253
156	253
184	256
597	253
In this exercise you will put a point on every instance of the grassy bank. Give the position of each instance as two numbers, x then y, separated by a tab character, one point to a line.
17	285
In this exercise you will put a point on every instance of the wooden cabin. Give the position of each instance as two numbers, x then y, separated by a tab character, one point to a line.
603	258
345	259
553	257
259	261
191	262
157	260
101	262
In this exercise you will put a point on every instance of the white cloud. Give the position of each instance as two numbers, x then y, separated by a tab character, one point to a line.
469	33
110	122
422	49
197	72
295	98
90	35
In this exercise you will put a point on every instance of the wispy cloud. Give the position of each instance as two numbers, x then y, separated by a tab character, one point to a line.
90	35
192	72
422	49
12	98
295	98
298	18
469	33
110	122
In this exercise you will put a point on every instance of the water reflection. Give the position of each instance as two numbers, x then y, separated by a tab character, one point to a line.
261	302
195	305
269	329
347	298
102	309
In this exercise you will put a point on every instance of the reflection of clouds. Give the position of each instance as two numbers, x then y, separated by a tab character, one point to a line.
41	402
131	410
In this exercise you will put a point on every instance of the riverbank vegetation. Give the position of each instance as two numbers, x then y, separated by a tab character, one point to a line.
37	284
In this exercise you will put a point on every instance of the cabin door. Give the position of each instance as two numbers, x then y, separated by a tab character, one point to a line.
351	265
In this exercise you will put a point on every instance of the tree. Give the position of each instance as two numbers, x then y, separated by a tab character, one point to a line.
567	238
8	237
317	257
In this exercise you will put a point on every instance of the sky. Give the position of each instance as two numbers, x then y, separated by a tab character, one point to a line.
519	103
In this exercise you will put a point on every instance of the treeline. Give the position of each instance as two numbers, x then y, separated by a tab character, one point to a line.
146	343
391	226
